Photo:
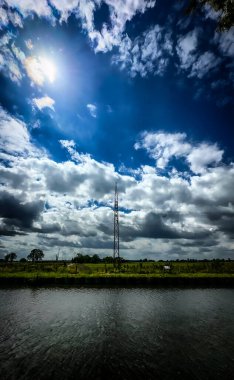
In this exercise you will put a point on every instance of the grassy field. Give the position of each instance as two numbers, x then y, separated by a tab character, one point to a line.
29	270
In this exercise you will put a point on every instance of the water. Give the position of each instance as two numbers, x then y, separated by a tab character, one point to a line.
116	333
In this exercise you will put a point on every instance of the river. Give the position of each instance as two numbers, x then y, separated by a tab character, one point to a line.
116	333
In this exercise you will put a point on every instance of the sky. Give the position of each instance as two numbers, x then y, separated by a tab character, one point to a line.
98	91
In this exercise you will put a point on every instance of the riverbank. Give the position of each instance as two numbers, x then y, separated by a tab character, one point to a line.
41	279
210	273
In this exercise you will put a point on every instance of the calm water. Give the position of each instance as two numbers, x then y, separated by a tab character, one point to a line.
116	333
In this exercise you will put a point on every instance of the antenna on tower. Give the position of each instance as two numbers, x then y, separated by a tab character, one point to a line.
116	258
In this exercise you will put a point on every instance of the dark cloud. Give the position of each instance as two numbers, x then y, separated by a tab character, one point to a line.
15	213
8	231
153	227
223	220
52	242
9	178
47	228
62	181
208	242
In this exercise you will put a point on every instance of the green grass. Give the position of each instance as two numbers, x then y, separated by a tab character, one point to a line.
47	270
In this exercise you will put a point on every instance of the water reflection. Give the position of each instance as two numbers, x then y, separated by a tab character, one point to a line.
64	333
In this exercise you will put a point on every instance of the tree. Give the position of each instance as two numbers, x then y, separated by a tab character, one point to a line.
225	7
79	258
36	255
108	259
95	259
11	257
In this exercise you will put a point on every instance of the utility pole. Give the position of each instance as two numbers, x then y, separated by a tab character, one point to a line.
116	258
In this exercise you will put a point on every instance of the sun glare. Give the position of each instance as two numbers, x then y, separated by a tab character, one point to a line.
48	68
40	69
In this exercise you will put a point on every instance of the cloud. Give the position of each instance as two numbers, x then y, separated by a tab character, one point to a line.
186	46
13	62
103	40
69	204
211	13
15	138
28	7
29	44
203	155
44	102
16	213
10	17
204	64
146	54
120	13
154	226
39	69
163	147
9	58
92	109
196	63
65	8
225	42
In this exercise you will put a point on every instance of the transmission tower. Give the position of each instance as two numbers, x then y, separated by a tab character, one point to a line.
116	229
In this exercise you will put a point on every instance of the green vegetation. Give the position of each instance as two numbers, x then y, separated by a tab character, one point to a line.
36	255
10	257
128	270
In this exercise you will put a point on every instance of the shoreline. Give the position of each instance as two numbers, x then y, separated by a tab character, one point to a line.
226	281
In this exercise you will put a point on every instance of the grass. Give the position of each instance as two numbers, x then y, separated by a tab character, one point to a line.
131	270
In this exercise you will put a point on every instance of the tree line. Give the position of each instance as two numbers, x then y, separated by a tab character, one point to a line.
35	255
94	259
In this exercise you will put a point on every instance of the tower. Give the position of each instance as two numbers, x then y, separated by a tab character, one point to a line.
116	229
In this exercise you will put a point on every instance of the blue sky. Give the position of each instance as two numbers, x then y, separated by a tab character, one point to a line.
97	91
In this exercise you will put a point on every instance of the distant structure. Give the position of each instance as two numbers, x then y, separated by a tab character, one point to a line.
116	228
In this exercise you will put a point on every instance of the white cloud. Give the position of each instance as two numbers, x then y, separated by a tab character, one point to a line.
196	63
7	17
121	11
27	7
204	64
146	54
4	20
225	42
211	13
65	7
29	44
10	58
39	69
203	155
13	61
164	146
15	138
19	54
184	214
92	109
186	47
44	102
